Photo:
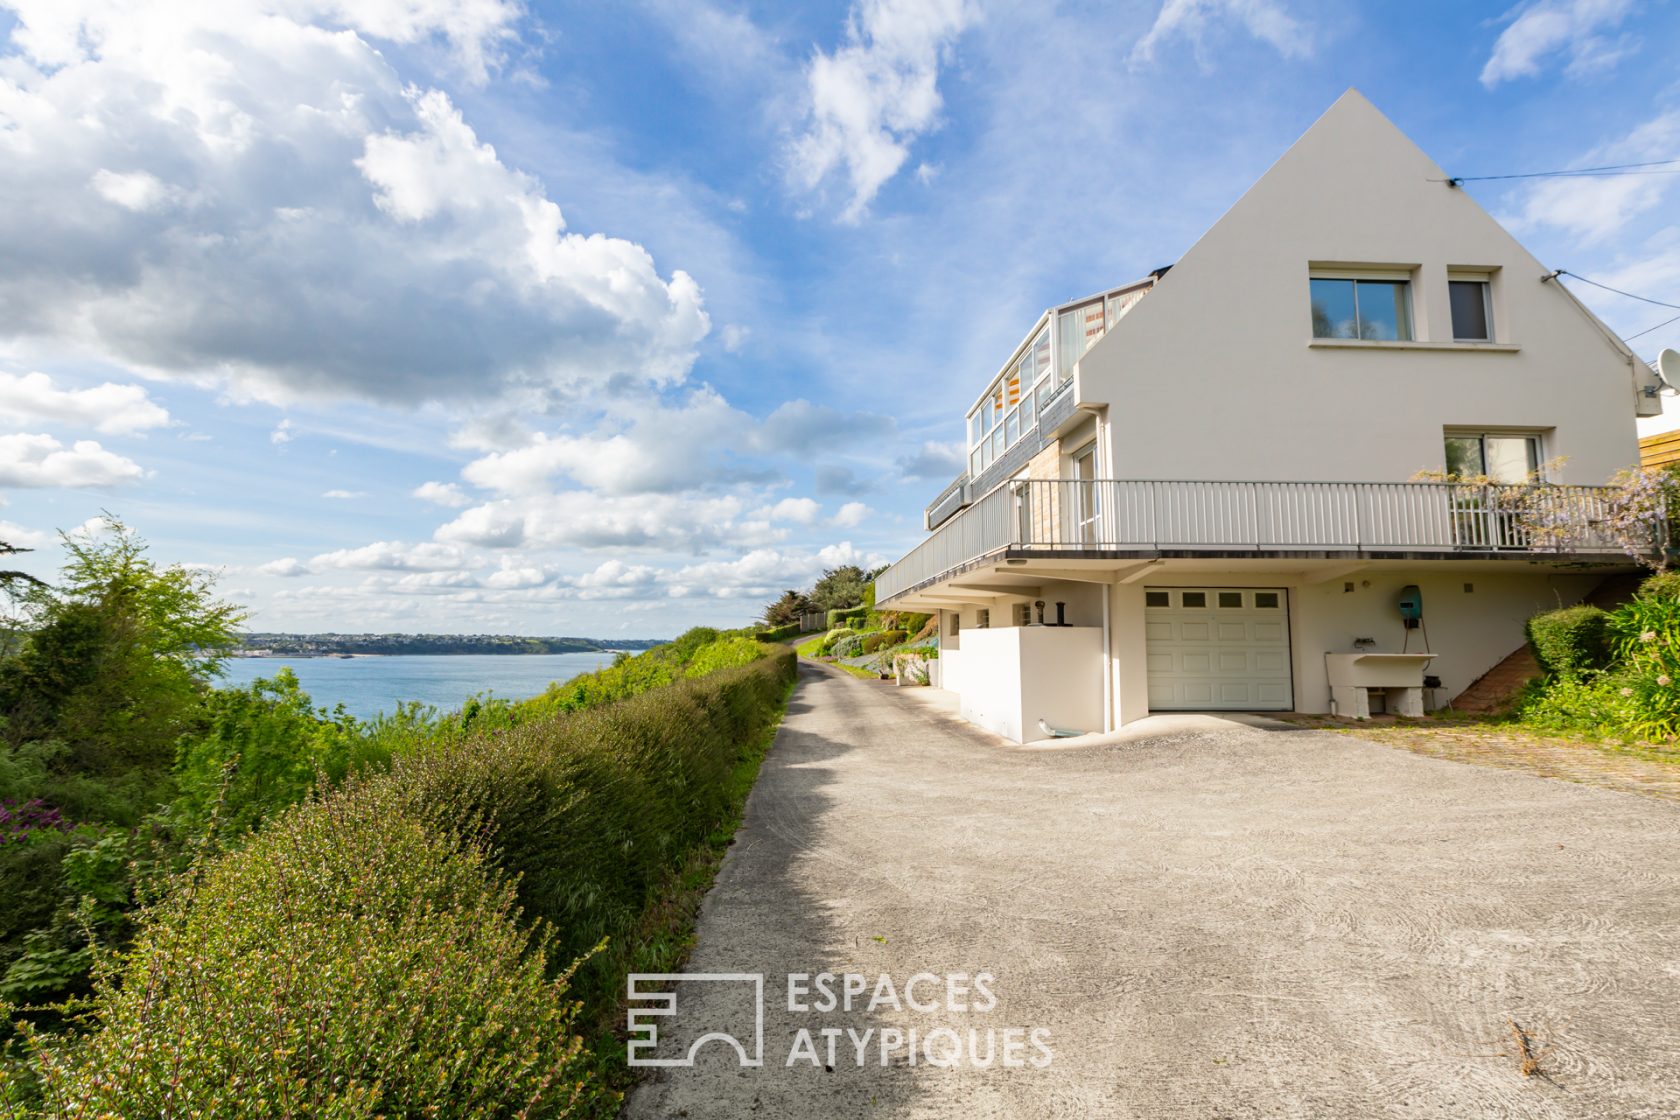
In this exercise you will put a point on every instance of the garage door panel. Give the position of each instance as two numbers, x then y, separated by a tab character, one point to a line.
1217	648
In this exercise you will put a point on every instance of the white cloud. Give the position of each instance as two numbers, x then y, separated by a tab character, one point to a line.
1546	27
942	461
762	571
394	556
20	537
1593	208
443	494
287	567
41	461
282	433
870	99
344	495
1264	19
802	511
653	448
734	337
851	514
138	191
584	519
248	193
108	408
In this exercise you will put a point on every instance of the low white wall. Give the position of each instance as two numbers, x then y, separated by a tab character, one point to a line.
1008	678
988	686
1061	678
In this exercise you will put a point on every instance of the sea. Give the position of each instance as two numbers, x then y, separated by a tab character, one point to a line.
370	686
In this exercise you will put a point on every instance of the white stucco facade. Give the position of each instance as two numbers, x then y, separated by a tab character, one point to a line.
1218	374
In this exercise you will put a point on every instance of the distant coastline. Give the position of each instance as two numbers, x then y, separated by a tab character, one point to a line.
396	645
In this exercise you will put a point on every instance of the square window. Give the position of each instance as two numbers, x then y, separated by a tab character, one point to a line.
1156	599
1267	600
1508	459
1471	320
1197	599
1230	599
1378	310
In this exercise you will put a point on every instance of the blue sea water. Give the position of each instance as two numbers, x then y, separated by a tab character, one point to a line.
368	686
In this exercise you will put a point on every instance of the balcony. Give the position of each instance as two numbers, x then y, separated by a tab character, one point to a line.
1119	519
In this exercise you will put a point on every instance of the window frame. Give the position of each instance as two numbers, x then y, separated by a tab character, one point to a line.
1029	370
1536	448
1406	277
1486	281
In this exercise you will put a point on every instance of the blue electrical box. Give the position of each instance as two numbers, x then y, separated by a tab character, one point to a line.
1411	604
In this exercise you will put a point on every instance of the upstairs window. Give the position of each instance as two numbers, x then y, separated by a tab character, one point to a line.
1499	457
1376	310
1472	310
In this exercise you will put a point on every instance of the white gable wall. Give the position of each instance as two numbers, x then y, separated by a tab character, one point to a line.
1213	375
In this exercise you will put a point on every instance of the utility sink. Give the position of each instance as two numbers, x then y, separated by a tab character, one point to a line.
1399	676
1377	670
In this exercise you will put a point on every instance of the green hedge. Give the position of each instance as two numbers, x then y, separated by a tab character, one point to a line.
593	810
881	639
356	958
353	960
1570	641
779	633
846	616
1663	585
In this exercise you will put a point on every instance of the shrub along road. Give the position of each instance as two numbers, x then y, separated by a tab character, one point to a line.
1243	923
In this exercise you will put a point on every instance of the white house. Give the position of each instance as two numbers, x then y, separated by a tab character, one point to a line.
1207	475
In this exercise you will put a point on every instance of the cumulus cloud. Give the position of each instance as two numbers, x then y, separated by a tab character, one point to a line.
802	511
763	571
109	408
394	556
248	193
40	461
18	536
1263	19
287	567
1547	28
851	514
585	519
282	433
942	461
653	448
870	99
443	494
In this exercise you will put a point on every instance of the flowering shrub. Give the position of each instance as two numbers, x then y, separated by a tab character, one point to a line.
20	821
1638	513
1637	694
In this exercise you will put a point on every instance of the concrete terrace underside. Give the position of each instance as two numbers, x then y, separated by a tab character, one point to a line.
1224	922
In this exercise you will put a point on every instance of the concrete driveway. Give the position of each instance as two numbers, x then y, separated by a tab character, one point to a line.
1221	922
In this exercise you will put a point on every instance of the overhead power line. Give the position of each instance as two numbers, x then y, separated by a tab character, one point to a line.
1618	291
1572	172
1648	330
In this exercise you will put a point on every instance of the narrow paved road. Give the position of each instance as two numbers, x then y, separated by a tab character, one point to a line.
1242	923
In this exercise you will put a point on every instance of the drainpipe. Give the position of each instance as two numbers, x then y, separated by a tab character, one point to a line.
1108	665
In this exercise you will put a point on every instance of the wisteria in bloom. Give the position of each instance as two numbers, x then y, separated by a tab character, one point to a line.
21	819
1637	517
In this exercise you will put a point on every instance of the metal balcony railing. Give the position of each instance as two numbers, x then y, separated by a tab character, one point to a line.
1110	515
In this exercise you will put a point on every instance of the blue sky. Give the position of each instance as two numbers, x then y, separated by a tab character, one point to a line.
611	319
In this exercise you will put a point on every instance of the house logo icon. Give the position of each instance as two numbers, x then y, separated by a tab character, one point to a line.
648	1005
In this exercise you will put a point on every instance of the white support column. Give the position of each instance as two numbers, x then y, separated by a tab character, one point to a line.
1128	654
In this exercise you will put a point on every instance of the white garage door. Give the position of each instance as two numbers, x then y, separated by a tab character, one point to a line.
1212	647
